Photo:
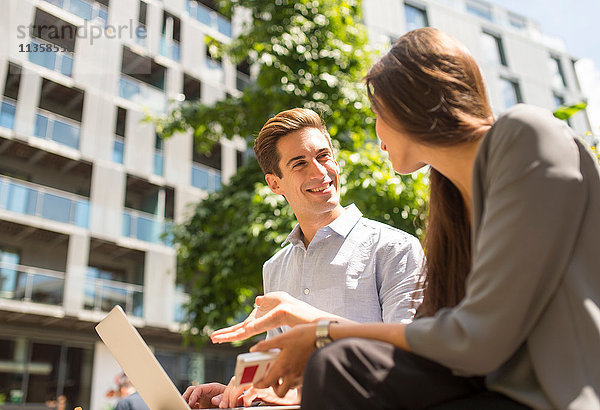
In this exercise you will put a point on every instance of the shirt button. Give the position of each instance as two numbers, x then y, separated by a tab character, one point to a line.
306	291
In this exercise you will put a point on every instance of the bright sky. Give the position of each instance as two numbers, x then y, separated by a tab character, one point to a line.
573	21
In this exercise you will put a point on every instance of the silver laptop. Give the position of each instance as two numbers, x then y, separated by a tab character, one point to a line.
140	365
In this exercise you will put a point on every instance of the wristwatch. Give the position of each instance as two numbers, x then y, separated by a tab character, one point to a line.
322	333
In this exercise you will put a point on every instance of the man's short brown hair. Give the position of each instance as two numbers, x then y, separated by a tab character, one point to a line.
284	123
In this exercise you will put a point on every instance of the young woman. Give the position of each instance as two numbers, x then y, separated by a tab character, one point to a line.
511	314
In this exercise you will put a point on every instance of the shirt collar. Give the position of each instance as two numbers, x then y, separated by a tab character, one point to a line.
295	237
342	225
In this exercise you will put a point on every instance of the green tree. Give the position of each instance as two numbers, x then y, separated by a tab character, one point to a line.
310	54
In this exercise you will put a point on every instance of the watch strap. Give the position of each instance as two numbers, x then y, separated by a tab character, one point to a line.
322	337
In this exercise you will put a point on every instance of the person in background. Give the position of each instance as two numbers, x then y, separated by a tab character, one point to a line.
130	398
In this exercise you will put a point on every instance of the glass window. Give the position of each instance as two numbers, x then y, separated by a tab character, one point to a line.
517	21
143	12
239	159
44	374
158	142
77	385
200	177
493	49
511	92
13	80
47	289
480	9
416	17
8	110
8	273
119	150
121	121
214	65
56	208
558	74
192	88
211	159
13	353
106	273
158	164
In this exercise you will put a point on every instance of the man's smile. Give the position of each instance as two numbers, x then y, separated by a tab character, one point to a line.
321	187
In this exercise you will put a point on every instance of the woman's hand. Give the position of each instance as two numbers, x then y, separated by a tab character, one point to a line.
287	370
272	310
298	344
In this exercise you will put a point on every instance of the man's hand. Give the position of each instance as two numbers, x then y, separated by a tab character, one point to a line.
272	310
235	396
231	395
287	370
204	396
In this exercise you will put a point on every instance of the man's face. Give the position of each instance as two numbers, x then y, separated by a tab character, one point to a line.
310	180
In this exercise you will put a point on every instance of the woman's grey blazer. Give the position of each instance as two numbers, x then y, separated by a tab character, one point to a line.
530	320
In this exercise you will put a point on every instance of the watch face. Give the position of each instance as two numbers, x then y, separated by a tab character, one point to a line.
322	341
322	333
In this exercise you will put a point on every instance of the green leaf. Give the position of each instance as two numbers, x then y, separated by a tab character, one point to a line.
564	112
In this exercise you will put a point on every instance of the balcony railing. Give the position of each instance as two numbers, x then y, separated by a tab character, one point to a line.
44	53
8	108
206	178
209	17
31	199
28	284
141	35
86	9
144	226
479	9
57	128
104	294
214	70
158	163
170	49
118	150
142	93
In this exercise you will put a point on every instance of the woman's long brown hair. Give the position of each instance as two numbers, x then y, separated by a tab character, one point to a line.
429	87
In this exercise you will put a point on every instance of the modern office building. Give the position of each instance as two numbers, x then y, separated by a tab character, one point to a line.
519	63
86	187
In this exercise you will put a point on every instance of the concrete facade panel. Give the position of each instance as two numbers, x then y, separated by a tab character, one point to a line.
107	199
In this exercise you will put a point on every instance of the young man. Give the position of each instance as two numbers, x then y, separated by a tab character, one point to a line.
337	265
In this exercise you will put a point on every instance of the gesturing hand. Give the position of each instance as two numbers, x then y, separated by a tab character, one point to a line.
272	310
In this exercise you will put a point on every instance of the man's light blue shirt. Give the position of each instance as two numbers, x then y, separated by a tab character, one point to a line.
354	267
